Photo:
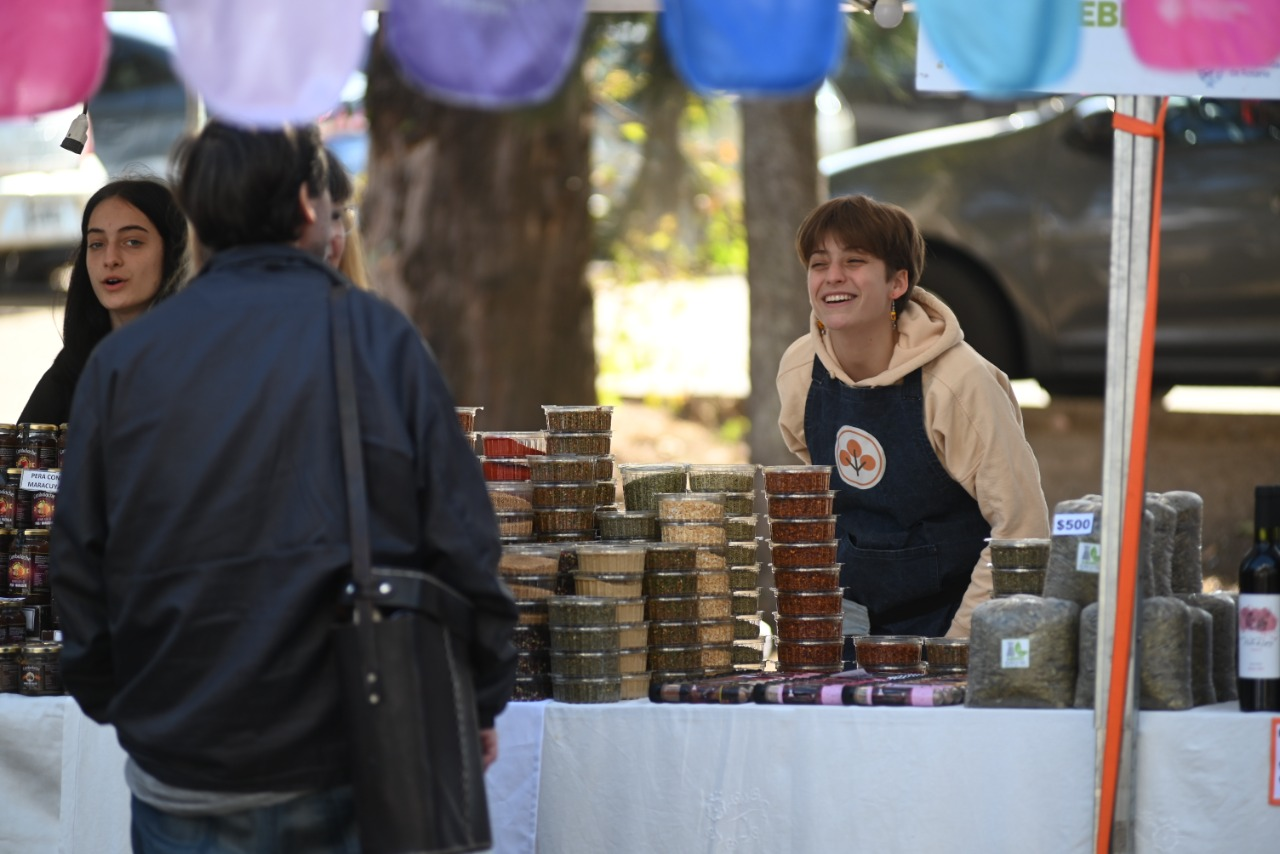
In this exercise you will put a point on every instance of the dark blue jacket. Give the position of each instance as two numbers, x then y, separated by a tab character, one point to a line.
200	541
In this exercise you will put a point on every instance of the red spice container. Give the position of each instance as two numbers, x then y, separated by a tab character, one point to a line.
802	530
789	479
807	579
788	555
809	654
889	653
800	505
810	628
504	468
522	444
818	604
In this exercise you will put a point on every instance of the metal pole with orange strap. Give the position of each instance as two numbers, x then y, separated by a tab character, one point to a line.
1131	344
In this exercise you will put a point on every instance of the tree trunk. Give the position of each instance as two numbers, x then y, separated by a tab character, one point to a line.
780	186
476	225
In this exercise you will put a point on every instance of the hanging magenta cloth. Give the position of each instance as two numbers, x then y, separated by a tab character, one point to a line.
490	54
1192	35
777	48
266	63
1000	46
52	54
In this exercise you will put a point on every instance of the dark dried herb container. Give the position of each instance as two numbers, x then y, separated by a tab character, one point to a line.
578	419
582	611
810	628
565	494
467	417
604	467
641	484
677	583
673	632
879	651
742	552
562	468
627	525
715	631
526	443
739	503
580	444
748	655
809	653
533	663
606	493
825	603
596	689
531	638
691	507
505	468
671	607
744	577
662	557
674	677
1009	581
715	606
698	533
947	655
746	603
730	477
676	657
817	530
567	537
566	663
584	638
791	555
793	479
1026	552
800	506
740	528
746	627
807	579
565	520
531	688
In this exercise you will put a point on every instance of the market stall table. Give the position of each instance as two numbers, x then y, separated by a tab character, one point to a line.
639	777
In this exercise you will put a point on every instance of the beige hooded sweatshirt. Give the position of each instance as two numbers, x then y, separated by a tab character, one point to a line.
971	417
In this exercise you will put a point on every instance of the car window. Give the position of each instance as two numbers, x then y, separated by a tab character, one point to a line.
1220	121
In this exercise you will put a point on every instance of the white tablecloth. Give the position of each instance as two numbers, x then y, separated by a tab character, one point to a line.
636	777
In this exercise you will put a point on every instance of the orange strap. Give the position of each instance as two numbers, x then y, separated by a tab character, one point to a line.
1135	494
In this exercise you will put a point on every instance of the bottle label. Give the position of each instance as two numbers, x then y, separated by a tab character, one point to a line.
1259	655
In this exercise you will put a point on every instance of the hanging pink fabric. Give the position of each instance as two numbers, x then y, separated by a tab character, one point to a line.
489	54
52	54
266	63
778	48
1194	35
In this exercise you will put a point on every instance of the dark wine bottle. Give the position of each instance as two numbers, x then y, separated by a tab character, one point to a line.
1258	661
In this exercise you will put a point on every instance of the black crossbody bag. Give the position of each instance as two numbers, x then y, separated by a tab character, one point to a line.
408	694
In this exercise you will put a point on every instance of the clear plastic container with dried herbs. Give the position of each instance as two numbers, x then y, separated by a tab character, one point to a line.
581	444
807	579
809	628
1023	552
584	638
810	654
742	552
629	610
662	557
717	658
515	527
532	612
577	689
713	580
565	520
947	655
467	417
711	557
746	627
634	660
533	663
744	577
739	503
612	584
667	608
800	505
532	688
673	632
1012	580
578	419
530	587
715	631
563	468
633	634
635	686
606	494
795	479
748	654
691	507
744	603
621	558
715	606
583	611
822	603
529	559
727	477
698	533
536	638
627	524
821	529
675	657
511	496
682	582
740	528
790	555
564	494
575	663
642	483
886	653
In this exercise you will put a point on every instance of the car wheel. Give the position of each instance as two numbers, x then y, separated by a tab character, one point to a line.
988	322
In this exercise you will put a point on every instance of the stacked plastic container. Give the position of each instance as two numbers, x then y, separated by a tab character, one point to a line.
504	460
697	519
802	549
578	476
737	482
531	572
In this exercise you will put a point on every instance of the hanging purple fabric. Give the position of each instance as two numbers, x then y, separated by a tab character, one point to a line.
1004	45
266	63
490	54
1194	35
778	48
52	54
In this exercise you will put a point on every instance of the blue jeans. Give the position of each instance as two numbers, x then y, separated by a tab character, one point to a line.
319	823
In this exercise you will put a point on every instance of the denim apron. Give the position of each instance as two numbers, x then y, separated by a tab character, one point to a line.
909	534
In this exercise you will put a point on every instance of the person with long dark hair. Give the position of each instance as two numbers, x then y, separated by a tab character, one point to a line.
132	254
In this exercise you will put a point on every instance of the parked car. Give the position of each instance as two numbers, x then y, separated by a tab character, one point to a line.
1017	214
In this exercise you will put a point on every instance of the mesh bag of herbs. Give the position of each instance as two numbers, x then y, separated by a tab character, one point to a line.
1166	656
1022	653
1186	571
1075	552
1223	610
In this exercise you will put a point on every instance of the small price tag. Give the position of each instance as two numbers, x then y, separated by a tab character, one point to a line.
1072	524
1274	794
1015	653
40	480
1088	557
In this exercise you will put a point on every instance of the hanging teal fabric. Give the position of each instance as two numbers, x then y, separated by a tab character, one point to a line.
51	54
775	48
1004	45
490	54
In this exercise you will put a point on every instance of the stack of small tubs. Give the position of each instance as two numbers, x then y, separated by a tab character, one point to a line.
531	573
802	545
594	643
671	605
582	433
504	460
467	421
738	483
698	519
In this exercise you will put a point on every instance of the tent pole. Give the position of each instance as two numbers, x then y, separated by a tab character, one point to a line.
1130	243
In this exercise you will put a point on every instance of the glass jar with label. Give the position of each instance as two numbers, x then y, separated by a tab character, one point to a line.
8	446
41	669
19	570
10	668
13	622
35	548
43	502
21	499
9	481
38	447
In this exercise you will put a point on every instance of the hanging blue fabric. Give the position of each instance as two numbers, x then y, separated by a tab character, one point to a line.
1004	45
491	54
754	47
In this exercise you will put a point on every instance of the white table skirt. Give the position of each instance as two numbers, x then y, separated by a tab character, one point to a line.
636	777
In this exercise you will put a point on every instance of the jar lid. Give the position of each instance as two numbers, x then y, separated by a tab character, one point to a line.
42	428
10	648
42	648
36	532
